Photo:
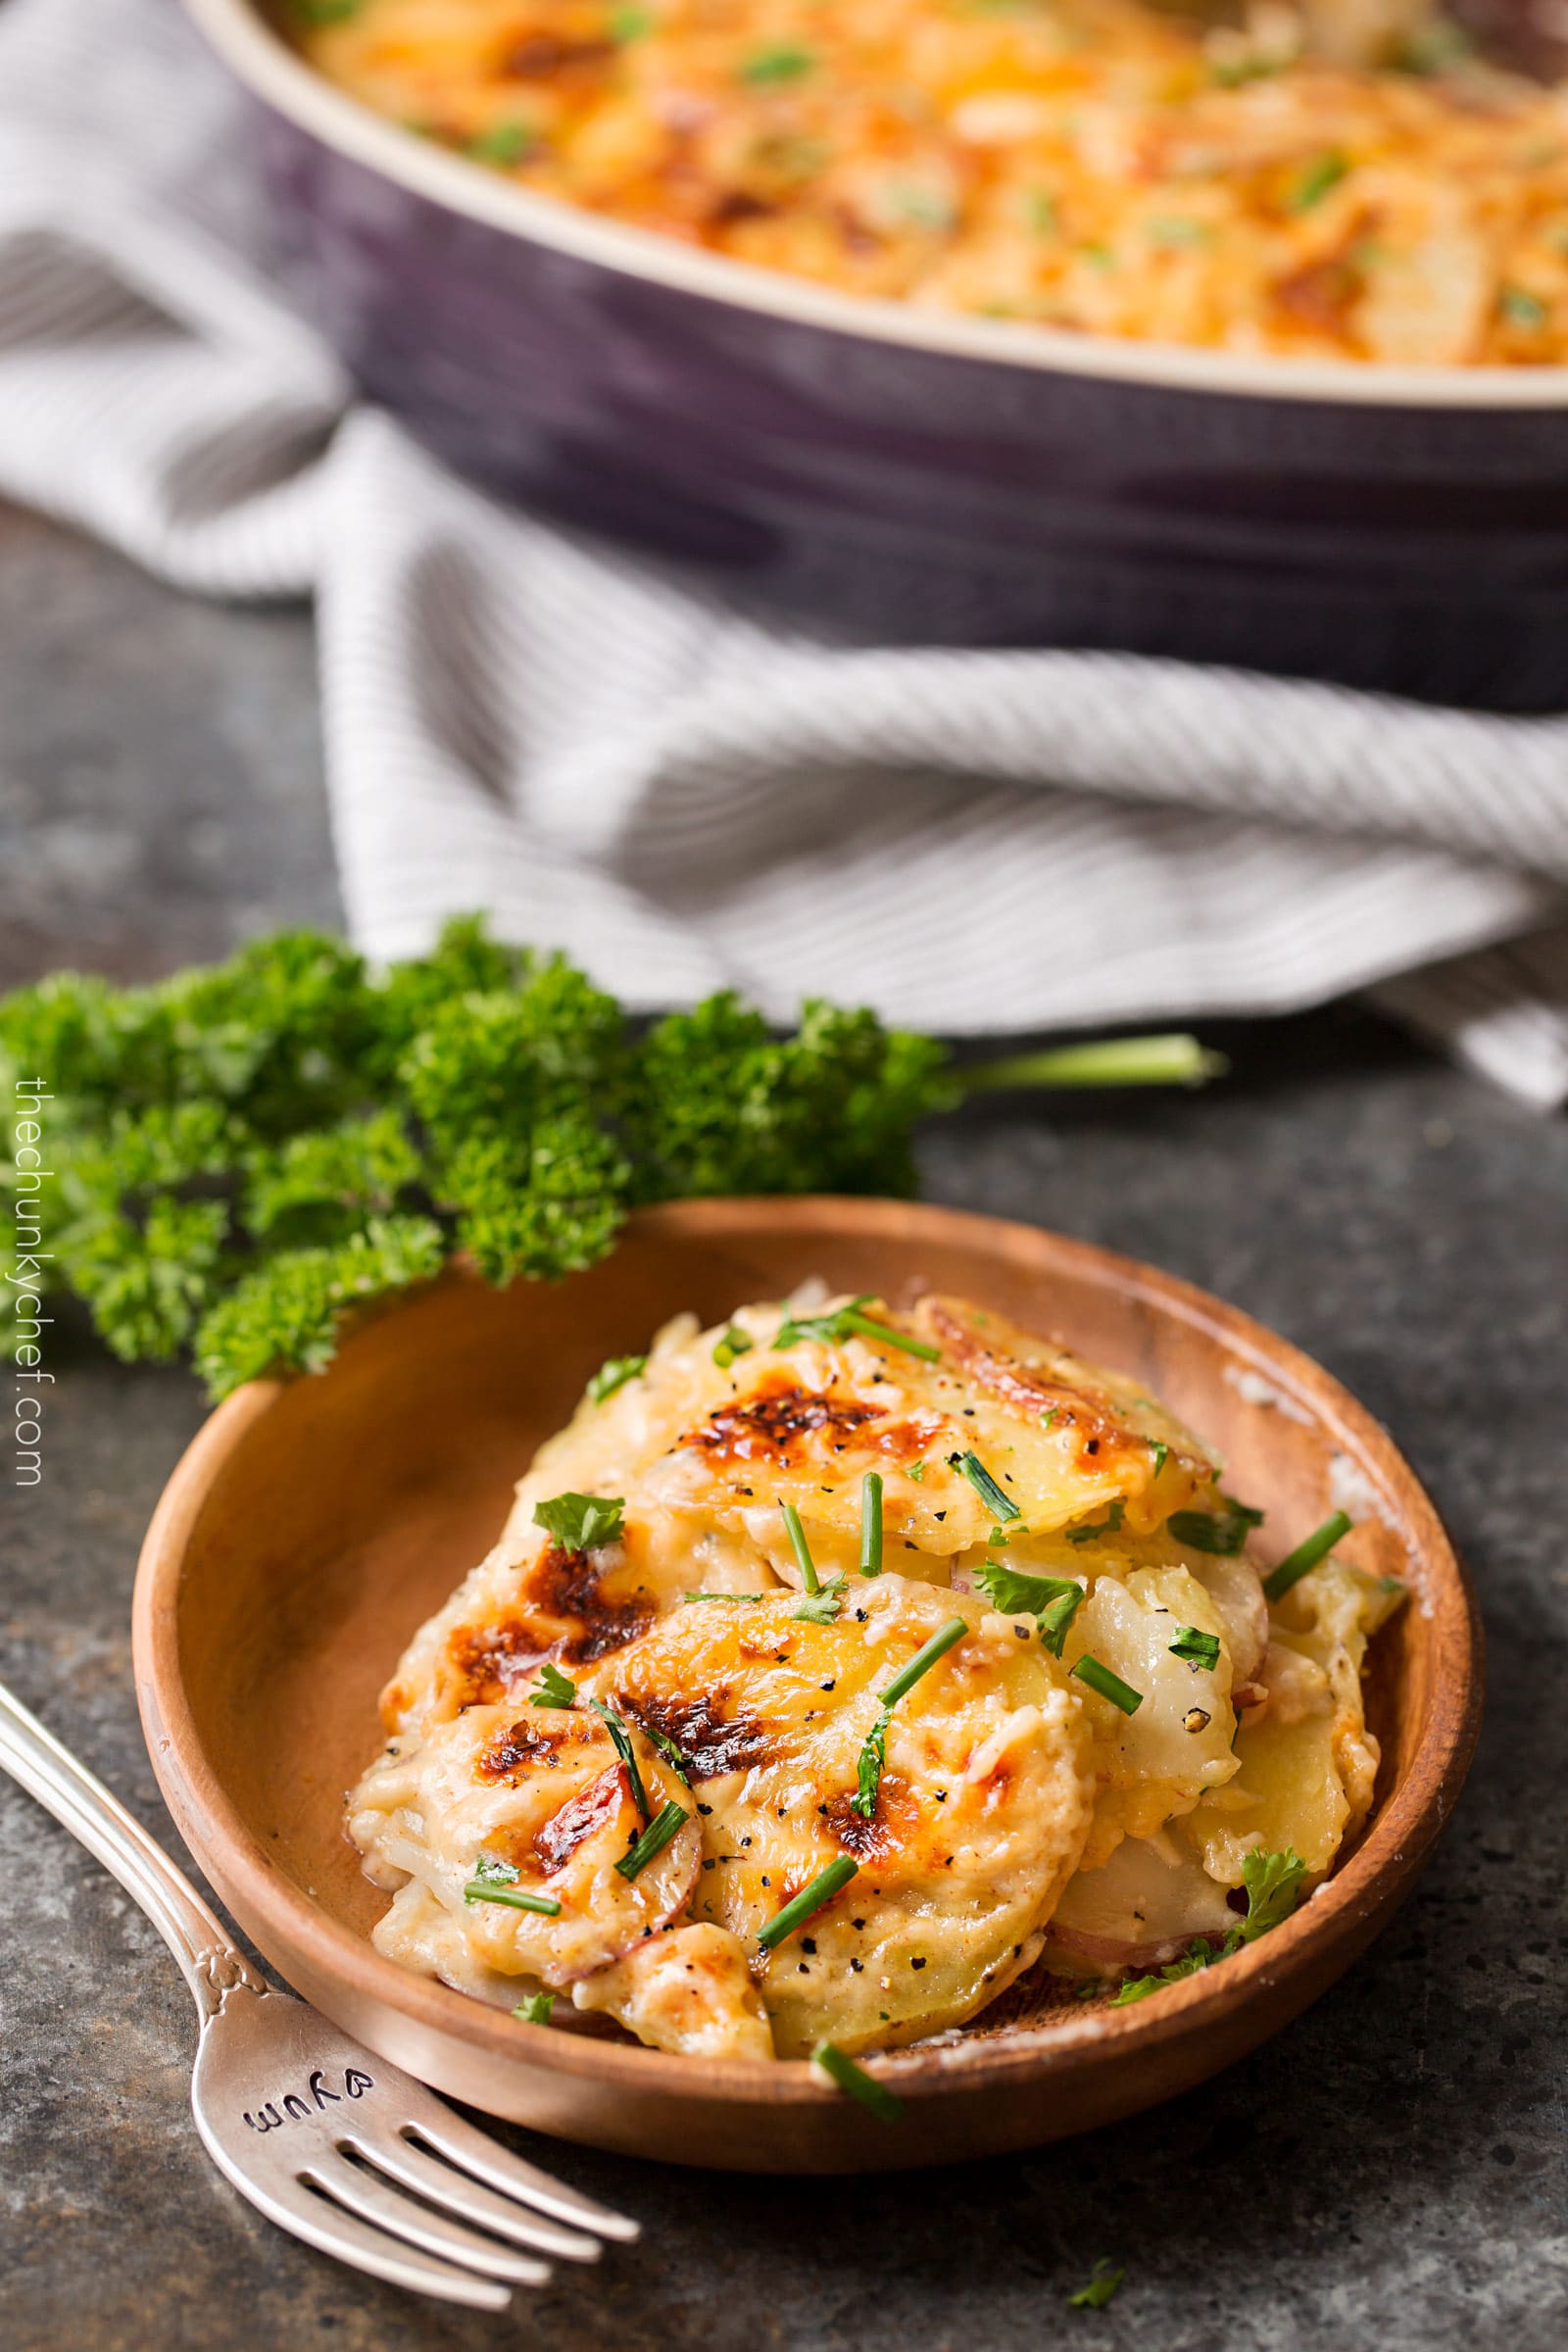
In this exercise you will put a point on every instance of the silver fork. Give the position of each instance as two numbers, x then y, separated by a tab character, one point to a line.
331	2143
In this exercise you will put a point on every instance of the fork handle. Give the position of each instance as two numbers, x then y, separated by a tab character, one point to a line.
194	1933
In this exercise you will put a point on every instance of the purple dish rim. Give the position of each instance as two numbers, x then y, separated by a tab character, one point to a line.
262	60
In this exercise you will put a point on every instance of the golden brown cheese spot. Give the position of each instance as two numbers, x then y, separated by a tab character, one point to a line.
518	1749
772	1427
713	1732
489	1662
1099	1436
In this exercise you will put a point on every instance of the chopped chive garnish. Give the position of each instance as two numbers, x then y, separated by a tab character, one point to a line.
916	1471
625	1751
734	1599
776	61
496	1882
874	1747
731	1343
799	1546
1316	179
1051	1601
1104	2280
1195	1647
997	1501
615	1374
820	1608
871	1524
846	2075
1159	1453
1295	1564
847	1322
660	1830
799	1909
668	1750
535	2010
556	1689
1109	1685
869	1769
580	1522
924	1658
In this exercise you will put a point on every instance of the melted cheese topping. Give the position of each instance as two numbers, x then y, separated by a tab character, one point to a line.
1014	1802
1097	164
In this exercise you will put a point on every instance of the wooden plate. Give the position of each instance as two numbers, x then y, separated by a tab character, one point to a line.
311	1525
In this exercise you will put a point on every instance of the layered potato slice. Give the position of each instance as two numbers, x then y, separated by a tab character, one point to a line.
1084	1775
980	1812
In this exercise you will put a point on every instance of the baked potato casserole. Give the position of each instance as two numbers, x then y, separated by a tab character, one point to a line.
840	1664
1345	181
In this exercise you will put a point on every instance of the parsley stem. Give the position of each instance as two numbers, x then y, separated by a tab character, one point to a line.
871	1524
1308	1554
660	1830
846	2075
801	1548
924	1658
800	1907
1175	1059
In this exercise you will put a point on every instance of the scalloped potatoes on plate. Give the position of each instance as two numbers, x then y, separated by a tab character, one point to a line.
838	1665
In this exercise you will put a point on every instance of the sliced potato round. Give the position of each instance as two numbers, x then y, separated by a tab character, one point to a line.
544	1796
688	1990
979	1817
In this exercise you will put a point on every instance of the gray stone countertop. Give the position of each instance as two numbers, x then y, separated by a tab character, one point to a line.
1388	2173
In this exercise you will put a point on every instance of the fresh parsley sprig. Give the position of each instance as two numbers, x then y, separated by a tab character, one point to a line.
581	1522
1222	1533
556	1689
250	1155
1273	1886
1053	1601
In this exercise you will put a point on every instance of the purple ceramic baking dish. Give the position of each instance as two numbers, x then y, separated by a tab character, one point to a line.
915	475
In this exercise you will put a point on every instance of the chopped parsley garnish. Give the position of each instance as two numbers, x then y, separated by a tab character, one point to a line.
496	1882
621	1739
822	1606
535	2010
847	1323
871	1524
875	1748
1109	1685
1224	1534
1104	2280
799	1546
556	1689
1051	1601
1315	180
1195	1647
846	2075
1306	1555
732	1342
779	61
799	1909
667	1822
1107	1526
613	1374
504	143
1273	1885
997	1501
581	1522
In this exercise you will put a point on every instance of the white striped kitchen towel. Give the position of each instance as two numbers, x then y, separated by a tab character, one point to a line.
521	720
